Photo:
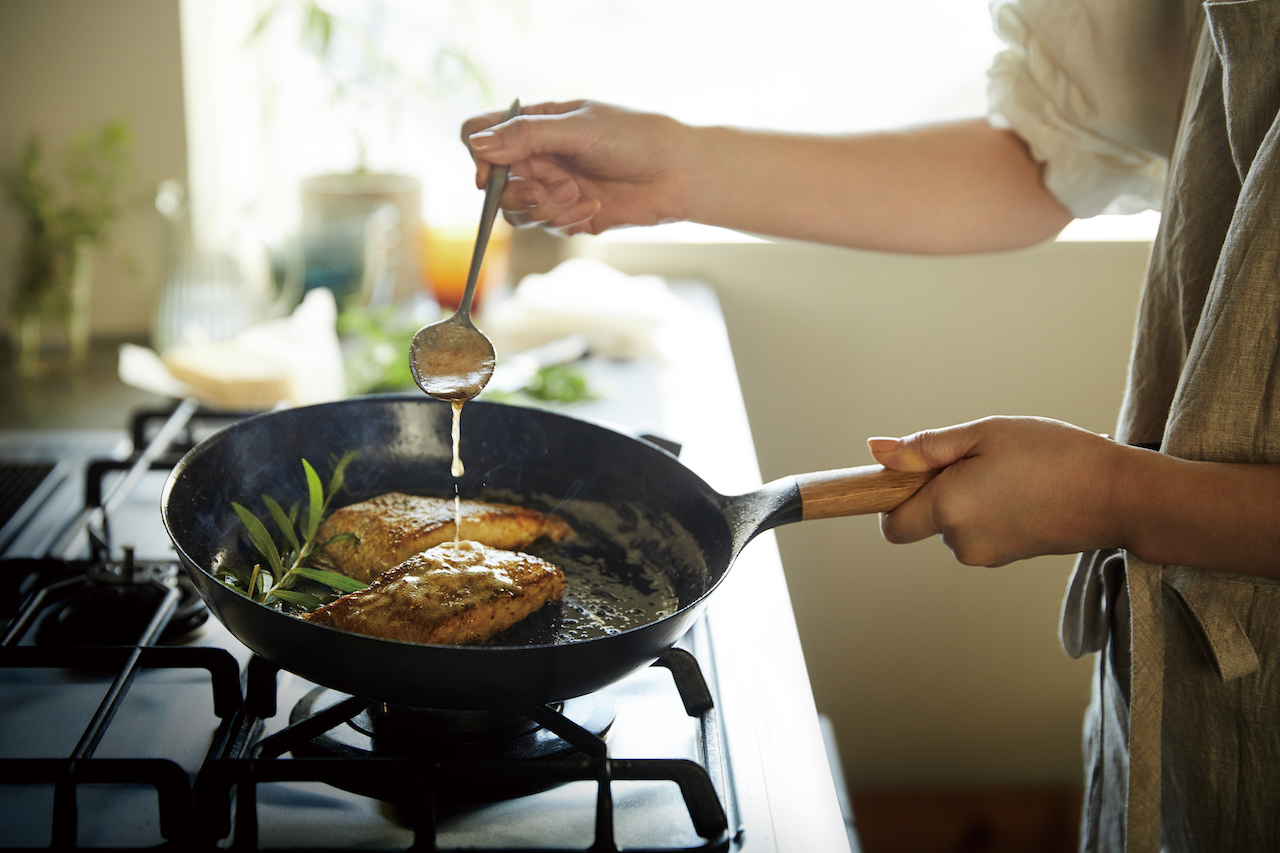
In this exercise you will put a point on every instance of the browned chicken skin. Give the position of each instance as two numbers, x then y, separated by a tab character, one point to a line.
395	526
453	595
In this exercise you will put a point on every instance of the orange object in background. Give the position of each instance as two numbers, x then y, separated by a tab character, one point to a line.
446	260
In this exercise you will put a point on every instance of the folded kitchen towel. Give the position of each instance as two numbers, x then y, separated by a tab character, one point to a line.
295	360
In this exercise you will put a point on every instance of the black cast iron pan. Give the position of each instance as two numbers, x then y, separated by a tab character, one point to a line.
652	540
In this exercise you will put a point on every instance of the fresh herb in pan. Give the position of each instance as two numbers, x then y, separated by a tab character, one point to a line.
295	558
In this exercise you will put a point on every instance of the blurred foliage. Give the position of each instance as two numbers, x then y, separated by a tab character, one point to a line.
559	383
375	353
355	51
63	214
375	349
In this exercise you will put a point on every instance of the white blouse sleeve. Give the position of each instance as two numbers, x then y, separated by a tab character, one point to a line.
1095	88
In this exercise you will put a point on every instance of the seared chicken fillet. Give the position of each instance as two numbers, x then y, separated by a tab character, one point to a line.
452	595
393	527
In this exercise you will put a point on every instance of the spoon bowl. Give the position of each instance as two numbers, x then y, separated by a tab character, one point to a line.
451	359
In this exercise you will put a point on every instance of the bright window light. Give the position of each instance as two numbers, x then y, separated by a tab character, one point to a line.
264	116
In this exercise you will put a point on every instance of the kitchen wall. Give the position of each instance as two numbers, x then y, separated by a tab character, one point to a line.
934	673
68	66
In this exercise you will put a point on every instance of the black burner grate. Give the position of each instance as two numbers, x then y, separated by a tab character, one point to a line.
17	483
225	792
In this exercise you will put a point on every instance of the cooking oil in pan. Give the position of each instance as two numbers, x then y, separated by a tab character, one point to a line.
597	604
621	571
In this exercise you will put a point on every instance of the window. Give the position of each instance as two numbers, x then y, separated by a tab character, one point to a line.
263	116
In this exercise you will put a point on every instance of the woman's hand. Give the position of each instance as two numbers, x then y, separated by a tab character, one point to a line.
581	166
1013	488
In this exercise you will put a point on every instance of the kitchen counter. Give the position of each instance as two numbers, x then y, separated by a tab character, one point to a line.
761	664
92	398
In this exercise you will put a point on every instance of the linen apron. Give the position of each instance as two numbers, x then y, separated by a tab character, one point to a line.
1182	737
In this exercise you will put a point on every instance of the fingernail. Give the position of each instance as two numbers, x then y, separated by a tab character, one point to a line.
485	140
883	445
529	198
586	208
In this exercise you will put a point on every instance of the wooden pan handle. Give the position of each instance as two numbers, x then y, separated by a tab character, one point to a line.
857	491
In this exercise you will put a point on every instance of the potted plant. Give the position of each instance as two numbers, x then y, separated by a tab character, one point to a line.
64	221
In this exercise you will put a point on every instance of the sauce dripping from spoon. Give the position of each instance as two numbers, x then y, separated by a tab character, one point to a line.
456	468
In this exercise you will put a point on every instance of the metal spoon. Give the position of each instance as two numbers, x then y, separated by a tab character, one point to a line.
451	359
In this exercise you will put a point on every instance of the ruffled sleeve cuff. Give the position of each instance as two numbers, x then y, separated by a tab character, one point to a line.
1087	169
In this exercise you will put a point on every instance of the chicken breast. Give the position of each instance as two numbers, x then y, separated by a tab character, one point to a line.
395	526
451	594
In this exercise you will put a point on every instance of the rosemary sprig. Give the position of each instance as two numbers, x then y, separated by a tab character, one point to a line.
285	564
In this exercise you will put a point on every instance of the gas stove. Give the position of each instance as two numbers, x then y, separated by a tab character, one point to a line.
132	720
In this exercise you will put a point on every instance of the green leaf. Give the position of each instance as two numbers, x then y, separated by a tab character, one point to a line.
282	521
234	574
334	580
238	584
344	535
317	29
339	477
314	547
310	602
266	580
316	509
263	21
561	383
261	539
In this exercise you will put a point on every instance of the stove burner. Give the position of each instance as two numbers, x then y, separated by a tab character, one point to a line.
403	731
117	601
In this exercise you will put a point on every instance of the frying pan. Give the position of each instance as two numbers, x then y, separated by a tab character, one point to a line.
652	540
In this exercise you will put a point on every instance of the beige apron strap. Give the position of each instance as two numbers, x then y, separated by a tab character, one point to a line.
1082	628
1214	610
1146	700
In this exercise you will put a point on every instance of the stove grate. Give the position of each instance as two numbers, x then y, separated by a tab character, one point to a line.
18	482
427	783
24	486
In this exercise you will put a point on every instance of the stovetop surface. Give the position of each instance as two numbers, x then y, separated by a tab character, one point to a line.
169	715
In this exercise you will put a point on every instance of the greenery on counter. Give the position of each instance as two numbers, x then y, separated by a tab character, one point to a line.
66	212
375	349
375	354
560	383
84	200
291	561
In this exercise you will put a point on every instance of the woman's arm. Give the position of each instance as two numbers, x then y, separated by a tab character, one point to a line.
951	188
1021	487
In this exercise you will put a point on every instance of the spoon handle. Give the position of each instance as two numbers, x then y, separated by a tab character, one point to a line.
492	197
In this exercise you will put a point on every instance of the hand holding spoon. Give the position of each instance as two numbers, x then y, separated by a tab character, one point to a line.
451	359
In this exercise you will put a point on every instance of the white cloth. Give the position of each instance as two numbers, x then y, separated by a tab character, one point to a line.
1095	88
